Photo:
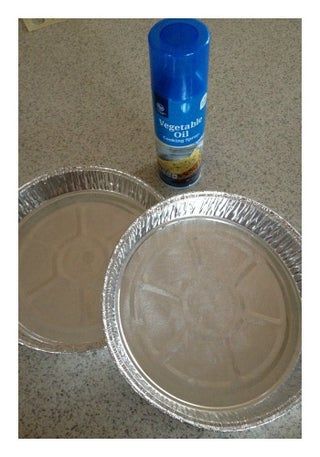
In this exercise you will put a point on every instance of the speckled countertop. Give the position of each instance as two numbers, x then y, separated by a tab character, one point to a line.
85	100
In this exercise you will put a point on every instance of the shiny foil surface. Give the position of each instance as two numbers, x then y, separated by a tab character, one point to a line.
69	223
202	310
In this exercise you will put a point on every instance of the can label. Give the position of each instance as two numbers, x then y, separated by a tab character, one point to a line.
179	124
179	128
180	169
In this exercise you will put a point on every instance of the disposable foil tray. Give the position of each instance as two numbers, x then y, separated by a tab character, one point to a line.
202	310
70	222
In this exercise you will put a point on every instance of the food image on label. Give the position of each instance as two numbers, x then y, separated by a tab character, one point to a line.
181	168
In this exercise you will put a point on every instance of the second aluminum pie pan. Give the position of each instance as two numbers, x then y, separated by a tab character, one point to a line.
202	310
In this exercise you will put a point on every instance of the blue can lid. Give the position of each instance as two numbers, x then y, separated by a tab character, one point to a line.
179	37
179	57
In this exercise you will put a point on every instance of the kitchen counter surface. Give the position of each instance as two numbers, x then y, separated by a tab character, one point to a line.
84	99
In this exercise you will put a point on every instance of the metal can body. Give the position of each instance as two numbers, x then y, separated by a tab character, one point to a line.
179	53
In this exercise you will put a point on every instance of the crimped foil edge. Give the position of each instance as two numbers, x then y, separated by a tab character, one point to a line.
281	237
72	179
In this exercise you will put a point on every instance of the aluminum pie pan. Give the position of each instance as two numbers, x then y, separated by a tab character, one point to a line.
267	232
100	198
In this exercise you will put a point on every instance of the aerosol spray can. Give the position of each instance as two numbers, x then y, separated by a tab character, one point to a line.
179	60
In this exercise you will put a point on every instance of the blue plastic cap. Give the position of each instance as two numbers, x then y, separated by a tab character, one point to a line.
179	57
